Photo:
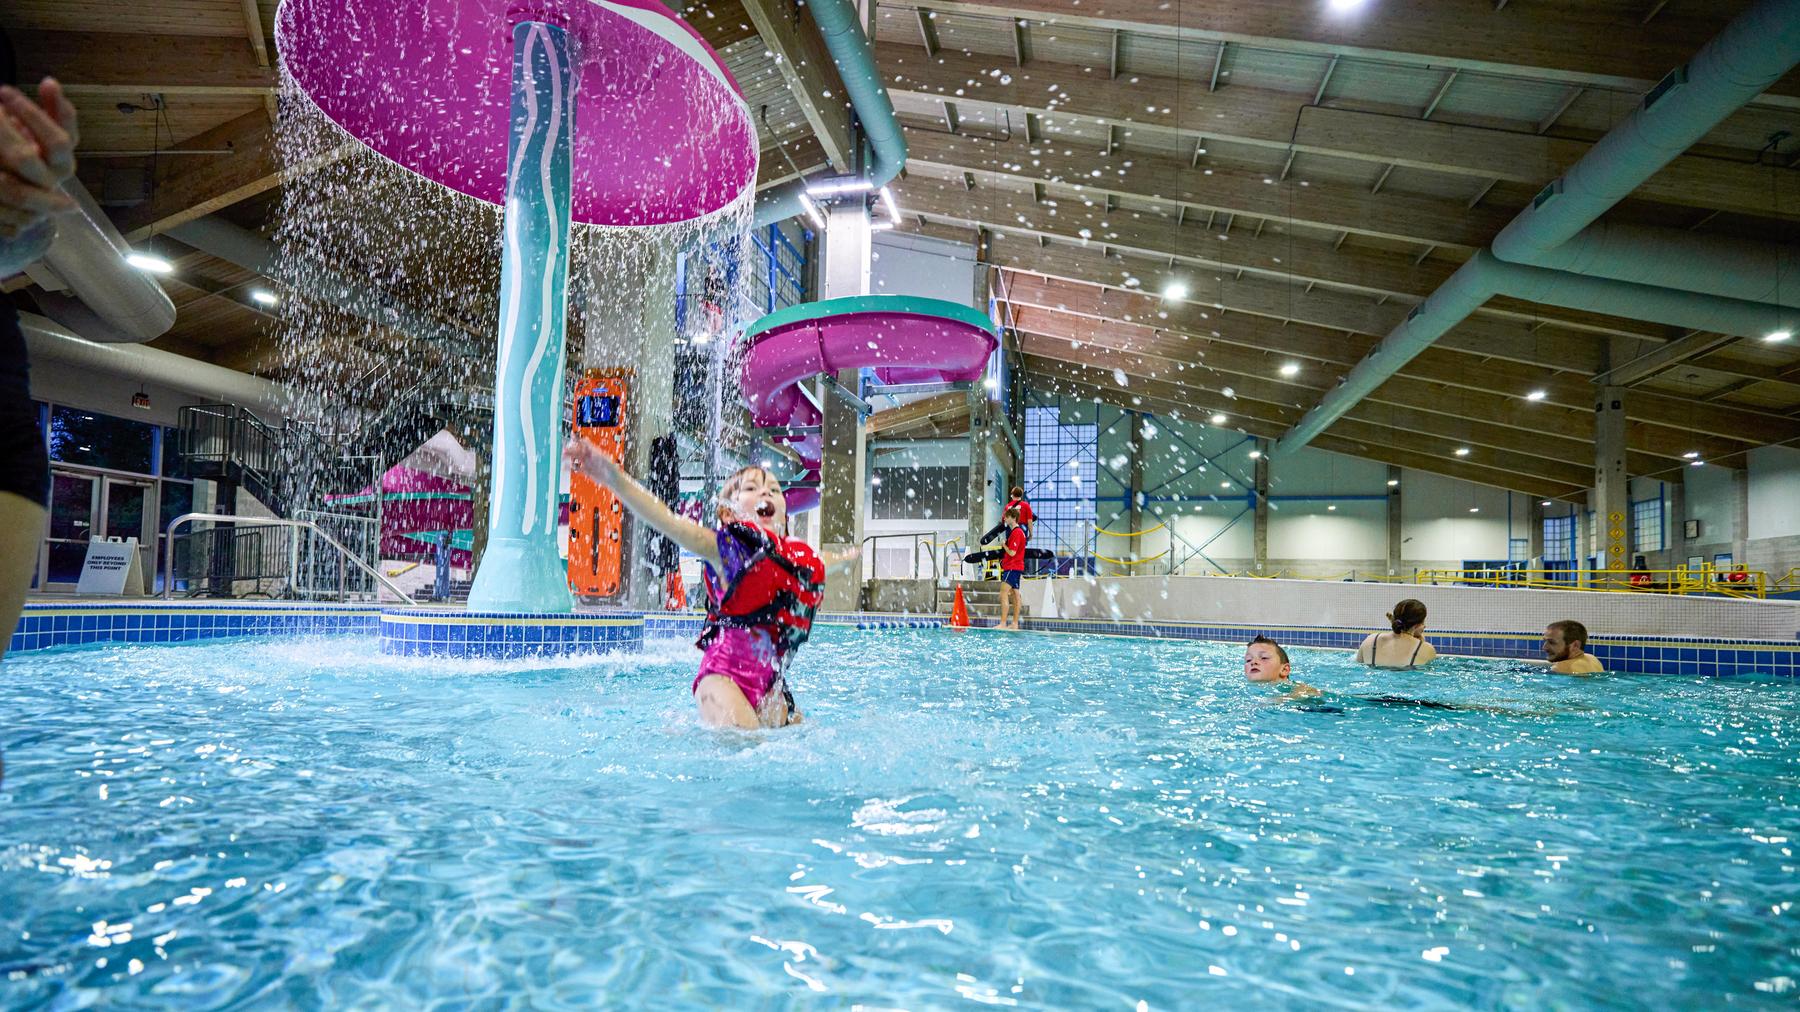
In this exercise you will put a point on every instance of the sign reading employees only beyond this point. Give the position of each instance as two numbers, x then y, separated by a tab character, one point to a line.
112	566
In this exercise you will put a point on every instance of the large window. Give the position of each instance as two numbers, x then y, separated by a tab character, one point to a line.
919	493
1559	539
1647	525
1062	463
96	440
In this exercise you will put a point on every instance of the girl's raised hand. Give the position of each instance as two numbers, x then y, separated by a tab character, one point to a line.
586	459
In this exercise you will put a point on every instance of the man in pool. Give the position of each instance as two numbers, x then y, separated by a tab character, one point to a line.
1266	661
1565	647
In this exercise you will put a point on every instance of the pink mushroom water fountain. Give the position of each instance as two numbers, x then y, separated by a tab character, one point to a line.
601	112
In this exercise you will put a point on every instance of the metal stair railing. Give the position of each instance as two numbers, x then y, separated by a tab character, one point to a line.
293	551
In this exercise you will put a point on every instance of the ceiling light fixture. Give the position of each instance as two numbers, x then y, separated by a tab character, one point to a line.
1462	451
1691	454
1536	395
1255	454
1290	369
1393	483
839	184
887	201
1777	336
1331	509
263	298
1546	502
146	262
1474	509
812	211
1696	463
1219	418
1175	289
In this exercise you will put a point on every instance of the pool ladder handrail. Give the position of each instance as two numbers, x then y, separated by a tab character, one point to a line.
168	591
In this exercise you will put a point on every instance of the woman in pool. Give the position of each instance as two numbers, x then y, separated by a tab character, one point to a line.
1405	646
1265	661
762	588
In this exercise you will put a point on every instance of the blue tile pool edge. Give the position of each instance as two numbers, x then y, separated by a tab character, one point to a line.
451	633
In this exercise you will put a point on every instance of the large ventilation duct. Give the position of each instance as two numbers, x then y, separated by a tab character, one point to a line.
87	259
49	341
1744	60
840	25
1667	258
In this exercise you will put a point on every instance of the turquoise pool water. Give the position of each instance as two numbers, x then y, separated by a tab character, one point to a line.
1040	821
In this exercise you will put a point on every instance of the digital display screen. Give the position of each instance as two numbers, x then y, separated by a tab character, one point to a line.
600	411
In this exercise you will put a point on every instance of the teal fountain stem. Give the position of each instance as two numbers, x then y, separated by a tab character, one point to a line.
520	571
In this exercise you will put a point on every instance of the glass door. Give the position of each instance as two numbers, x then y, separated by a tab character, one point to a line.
74	503
129	511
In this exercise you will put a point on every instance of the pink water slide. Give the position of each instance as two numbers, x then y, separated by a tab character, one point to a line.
903	338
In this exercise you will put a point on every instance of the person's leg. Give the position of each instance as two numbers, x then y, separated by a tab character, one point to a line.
722	704
21	532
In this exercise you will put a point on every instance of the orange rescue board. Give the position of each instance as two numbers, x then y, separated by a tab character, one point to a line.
595	518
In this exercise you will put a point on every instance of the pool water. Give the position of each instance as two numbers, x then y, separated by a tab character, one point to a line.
1032	820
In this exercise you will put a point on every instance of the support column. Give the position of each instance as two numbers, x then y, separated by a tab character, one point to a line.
1675	523
1260	534
843	476
1534	534
1612	492
1134	450
1395	518
521	570
980	420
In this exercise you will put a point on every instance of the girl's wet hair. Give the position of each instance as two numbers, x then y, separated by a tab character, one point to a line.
1406	614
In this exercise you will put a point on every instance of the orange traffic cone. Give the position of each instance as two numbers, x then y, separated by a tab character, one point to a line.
676	598
959	611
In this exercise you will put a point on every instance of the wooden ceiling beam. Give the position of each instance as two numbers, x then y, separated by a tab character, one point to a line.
937	406
1556	43
1285	121
1324	205
185	191
1159	239
102	64
810	73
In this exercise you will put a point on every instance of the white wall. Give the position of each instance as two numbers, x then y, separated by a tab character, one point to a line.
1712	500
75	387
1774	492
923	266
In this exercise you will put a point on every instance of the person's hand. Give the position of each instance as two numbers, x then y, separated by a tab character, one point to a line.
586	459
37	153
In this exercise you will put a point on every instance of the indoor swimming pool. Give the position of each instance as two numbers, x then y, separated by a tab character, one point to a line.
1032	820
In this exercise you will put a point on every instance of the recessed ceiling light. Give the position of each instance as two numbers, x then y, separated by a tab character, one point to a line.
263	298
1462	451
1175	289
1219	418
1691	454
1290	368
146	262
1536	395
1777	336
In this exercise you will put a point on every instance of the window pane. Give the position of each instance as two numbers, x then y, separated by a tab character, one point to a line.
96	440
177	498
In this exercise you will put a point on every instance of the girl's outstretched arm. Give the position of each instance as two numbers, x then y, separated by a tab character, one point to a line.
586	459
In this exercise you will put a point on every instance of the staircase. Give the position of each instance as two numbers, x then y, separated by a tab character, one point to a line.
981	596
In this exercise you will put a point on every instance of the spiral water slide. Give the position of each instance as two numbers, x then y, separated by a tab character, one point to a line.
905	339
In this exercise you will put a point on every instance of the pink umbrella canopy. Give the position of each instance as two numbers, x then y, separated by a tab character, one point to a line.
662	133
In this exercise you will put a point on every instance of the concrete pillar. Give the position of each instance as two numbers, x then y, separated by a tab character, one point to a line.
1394	517
1612	492
981	419
1740	513
1260	533
1134	450
1675	529
1534	534
843	272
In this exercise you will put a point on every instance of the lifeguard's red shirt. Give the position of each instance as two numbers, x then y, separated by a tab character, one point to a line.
1025	514
1015	543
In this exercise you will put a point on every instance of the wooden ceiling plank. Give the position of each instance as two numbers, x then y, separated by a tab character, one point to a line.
103	64
810	73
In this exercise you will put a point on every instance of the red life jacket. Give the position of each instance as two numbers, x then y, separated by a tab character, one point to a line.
778	590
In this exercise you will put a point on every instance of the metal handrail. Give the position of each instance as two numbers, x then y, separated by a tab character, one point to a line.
169	551
1681	580
915	536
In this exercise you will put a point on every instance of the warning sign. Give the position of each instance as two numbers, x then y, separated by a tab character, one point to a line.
112	567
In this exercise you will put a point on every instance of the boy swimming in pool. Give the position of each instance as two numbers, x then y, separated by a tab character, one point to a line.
762	588
1266	661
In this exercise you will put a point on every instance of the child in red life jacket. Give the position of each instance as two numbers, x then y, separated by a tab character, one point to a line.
762	588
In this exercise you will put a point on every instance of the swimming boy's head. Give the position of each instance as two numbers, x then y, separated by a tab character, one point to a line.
1563	640
1265	661
753	495
1011	517
1407	615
